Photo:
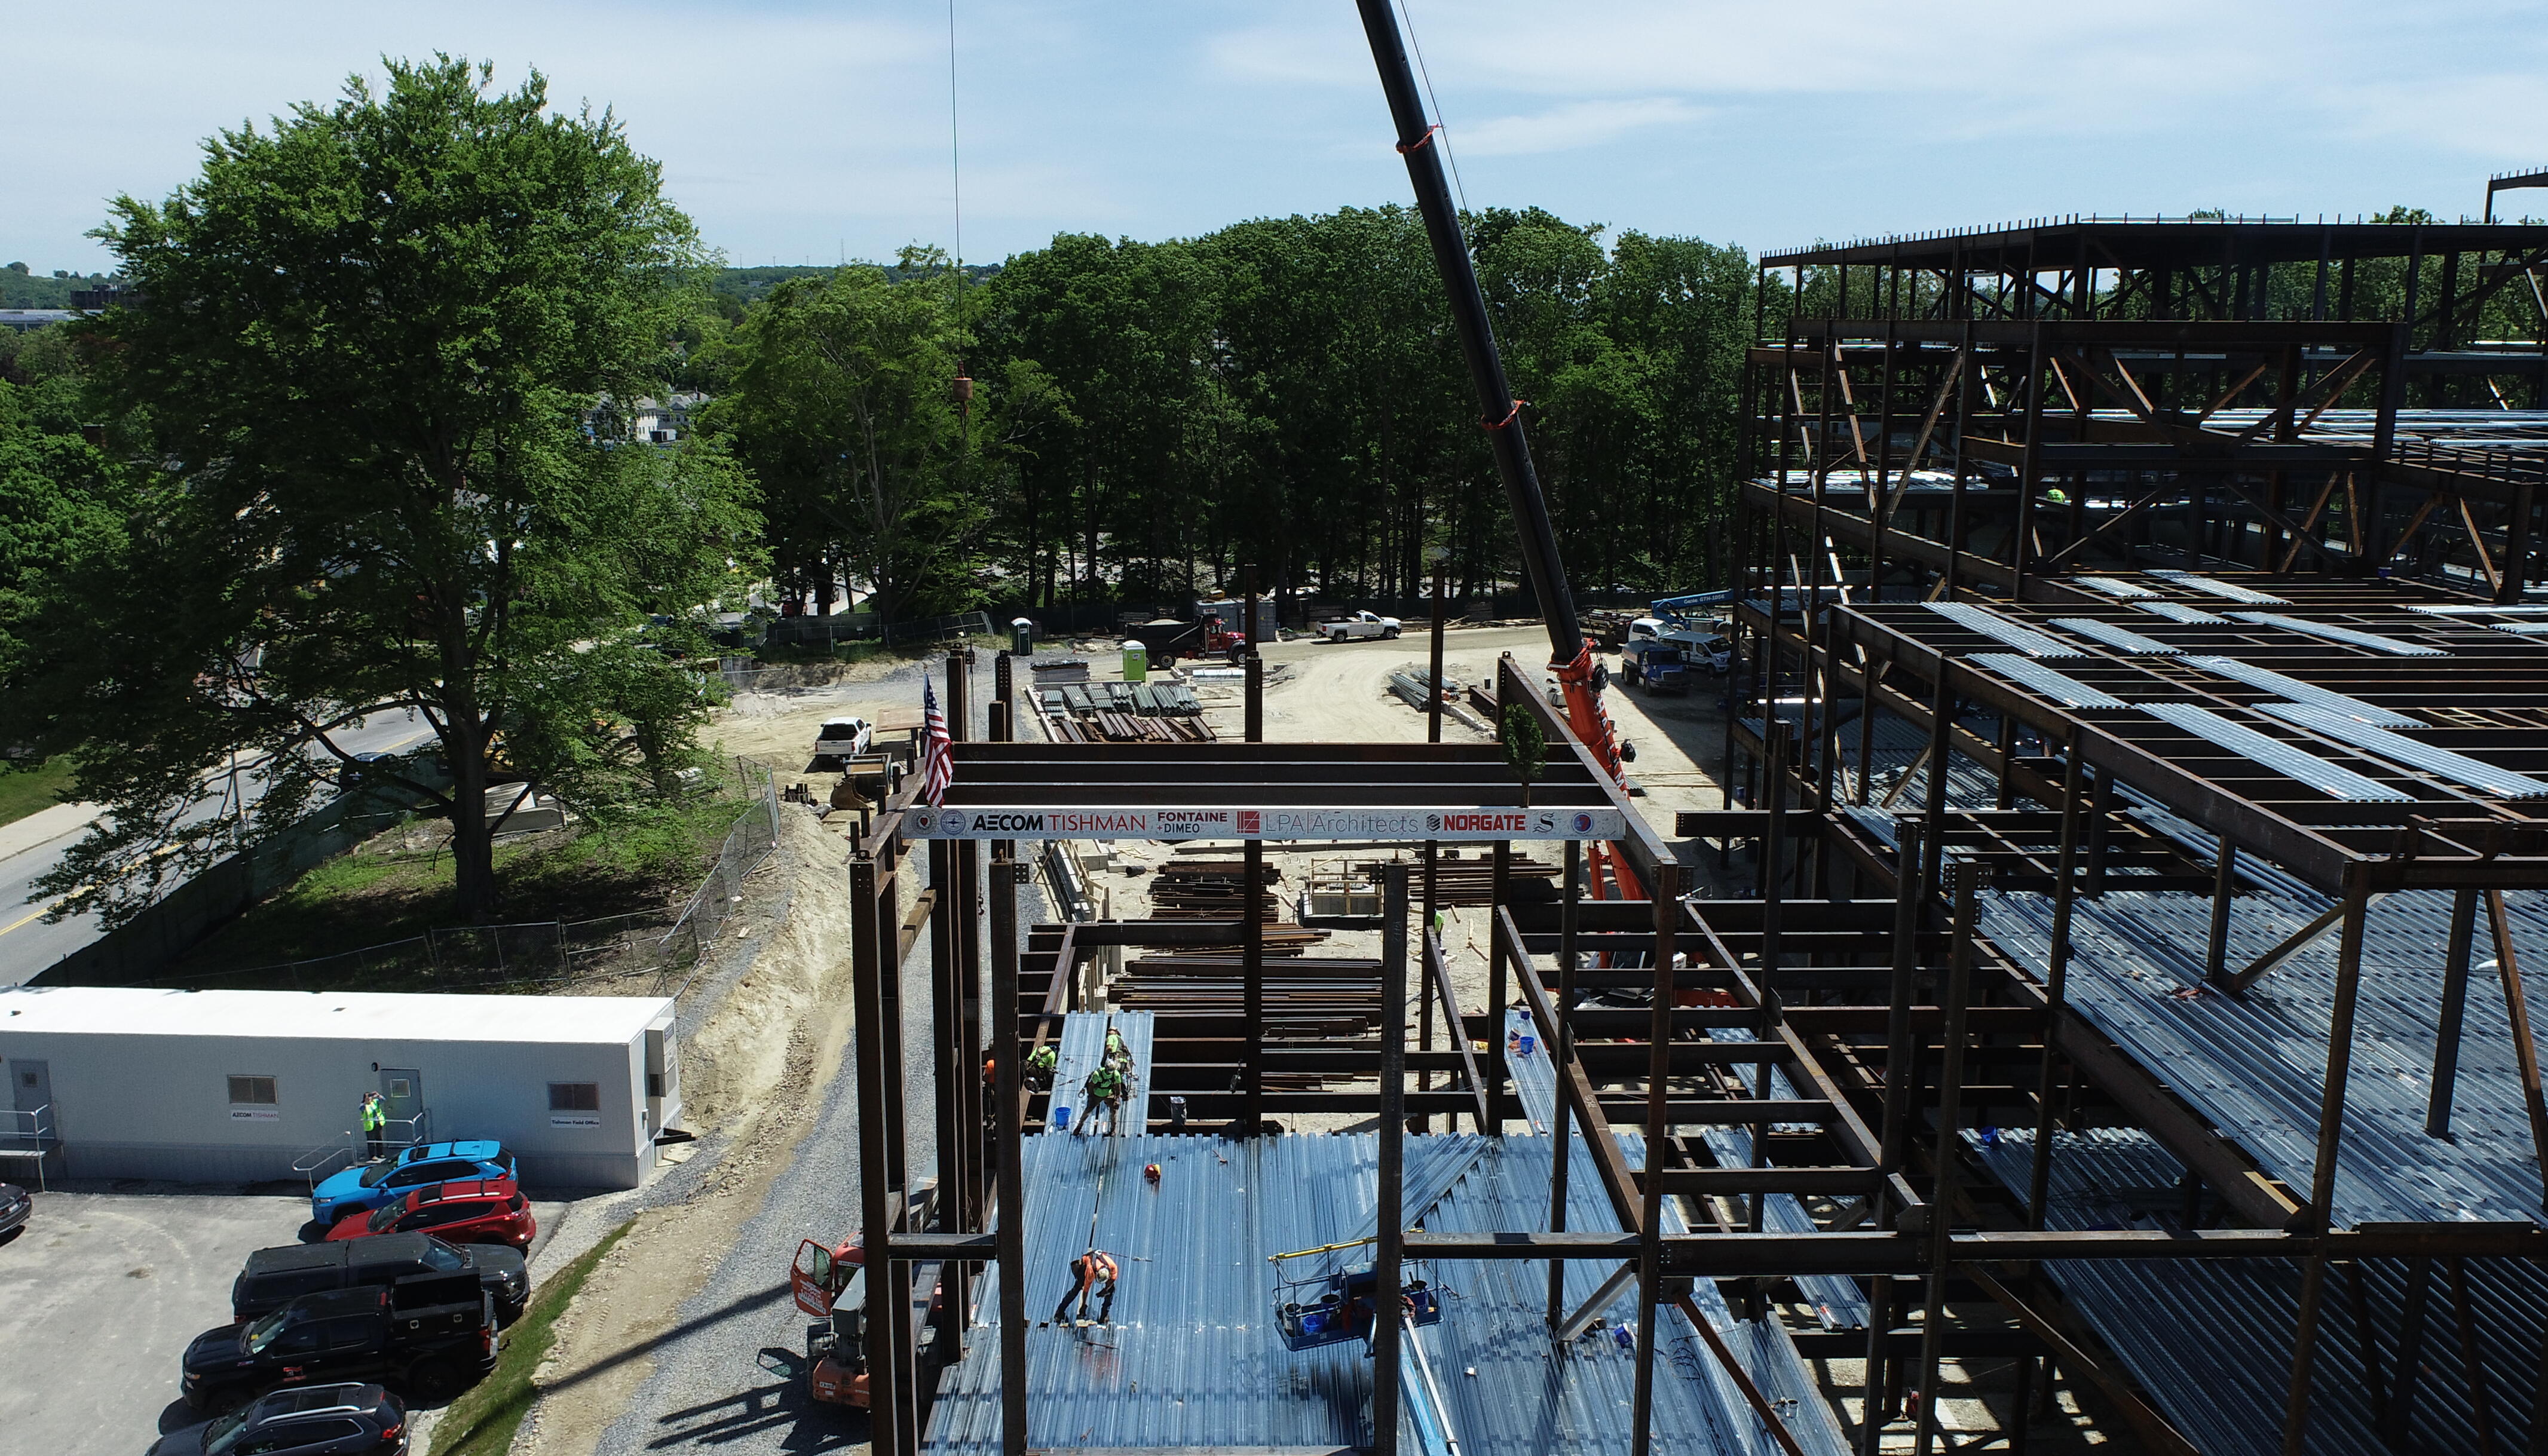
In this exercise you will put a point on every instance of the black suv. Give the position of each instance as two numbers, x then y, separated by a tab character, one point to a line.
430	1337
313	1420
275	1277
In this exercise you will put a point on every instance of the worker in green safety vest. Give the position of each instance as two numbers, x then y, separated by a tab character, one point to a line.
375	1118
1039	1066
1105	1093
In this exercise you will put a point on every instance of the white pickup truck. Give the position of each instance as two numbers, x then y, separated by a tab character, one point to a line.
1360	625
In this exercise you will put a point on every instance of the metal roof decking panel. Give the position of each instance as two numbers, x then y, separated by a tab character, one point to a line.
2299	692
2440	762
2212	1344
2121	639
2274	753
2214	587
2334	633
2254	1066
1083	1047
2115	586
1192	1360
2045	683
2000	629
2178	611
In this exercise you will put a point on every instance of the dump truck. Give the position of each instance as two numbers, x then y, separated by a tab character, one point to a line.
1654	666
1166	639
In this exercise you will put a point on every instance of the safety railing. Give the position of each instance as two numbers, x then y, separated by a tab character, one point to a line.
408	1132
319	1161
29	1133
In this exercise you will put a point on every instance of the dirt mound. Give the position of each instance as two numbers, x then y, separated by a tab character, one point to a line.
755	1073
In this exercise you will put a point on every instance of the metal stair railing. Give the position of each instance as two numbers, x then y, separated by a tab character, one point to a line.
30	1135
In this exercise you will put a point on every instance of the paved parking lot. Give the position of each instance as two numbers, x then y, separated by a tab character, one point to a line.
103	1290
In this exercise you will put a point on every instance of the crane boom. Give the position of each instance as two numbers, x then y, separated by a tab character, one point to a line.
1499	414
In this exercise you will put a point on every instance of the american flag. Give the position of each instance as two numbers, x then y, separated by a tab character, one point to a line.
937	759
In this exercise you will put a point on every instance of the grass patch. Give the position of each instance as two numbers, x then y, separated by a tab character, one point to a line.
397	885
33	789
482	1421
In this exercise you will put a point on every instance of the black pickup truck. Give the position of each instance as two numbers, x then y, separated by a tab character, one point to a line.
428	1336
274	1277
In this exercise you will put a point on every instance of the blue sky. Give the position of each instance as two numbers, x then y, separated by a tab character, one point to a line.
800	131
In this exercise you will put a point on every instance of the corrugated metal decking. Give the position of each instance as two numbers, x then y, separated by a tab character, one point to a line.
2115	586
2334	633
2225	590
1999	628
1192	1360
2299	692
2178	611
2121	639
2068	692
2254	1064
2476	773
2275	754
2211	1343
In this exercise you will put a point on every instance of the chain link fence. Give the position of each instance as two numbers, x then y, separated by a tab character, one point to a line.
655	952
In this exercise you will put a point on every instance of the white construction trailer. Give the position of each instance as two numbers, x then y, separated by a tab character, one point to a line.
252	1086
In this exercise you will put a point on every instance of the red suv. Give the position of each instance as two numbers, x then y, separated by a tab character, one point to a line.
477	1211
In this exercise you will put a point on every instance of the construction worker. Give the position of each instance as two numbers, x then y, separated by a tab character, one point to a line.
1092	1272
1040	1065
1104	1092
1118	1055
374	1119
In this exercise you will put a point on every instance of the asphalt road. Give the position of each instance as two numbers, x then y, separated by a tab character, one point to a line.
29	943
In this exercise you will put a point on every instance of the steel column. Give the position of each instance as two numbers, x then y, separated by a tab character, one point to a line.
1389	1252
1650	1247
2330	1143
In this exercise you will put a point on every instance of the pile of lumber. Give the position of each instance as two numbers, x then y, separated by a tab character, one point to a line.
1123	712
1212	889
1303	997
1112	727
1466	882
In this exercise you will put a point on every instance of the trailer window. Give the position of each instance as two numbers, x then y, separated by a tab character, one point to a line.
575	1097
252	1091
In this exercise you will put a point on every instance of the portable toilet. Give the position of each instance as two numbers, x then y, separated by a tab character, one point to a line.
1136	660
1022	636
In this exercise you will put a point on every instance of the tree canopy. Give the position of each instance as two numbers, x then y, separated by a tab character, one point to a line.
370	340
1285	392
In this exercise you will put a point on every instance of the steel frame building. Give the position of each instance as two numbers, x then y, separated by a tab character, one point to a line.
2197	639
2043	523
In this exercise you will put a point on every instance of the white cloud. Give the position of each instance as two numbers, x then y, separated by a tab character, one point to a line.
1567	127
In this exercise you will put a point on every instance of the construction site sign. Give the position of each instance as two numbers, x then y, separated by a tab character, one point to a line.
1284	821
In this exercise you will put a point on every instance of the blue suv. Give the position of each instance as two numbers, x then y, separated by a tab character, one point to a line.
359	1190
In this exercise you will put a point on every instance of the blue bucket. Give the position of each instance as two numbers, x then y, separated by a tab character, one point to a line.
1062	1119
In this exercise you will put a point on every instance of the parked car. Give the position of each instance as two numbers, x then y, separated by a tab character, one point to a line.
311	1420
275	1277
362	1189
1361	624
472	1211
432	1338
16	1208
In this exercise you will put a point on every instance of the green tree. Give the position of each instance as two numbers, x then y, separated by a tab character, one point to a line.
371	338
840	399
